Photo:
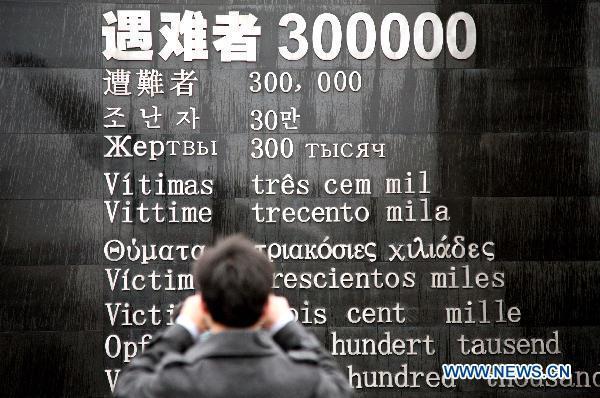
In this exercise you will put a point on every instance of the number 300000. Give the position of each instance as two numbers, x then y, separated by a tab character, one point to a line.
398	52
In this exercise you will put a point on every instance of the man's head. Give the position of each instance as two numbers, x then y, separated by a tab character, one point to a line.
235	281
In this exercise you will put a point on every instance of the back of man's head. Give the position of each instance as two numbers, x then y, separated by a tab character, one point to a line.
235	281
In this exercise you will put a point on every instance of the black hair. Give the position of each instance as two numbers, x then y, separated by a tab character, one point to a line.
235	281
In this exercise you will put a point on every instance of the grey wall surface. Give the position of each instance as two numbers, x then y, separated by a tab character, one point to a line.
510	138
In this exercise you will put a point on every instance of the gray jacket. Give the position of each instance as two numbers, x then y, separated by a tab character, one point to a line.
240	363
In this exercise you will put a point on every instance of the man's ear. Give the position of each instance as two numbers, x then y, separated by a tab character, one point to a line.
203	305
265	312
261	319
206	318
265	308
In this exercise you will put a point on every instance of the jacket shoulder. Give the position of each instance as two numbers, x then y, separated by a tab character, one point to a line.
303	356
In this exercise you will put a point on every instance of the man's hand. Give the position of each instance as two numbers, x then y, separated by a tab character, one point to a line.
192	309
277	311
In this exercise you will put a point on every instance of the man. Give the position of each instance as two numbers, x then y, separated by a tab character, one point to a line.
233	339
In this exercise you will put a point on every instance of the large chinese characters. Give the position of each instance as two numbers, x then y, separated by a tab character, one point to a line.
131	38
